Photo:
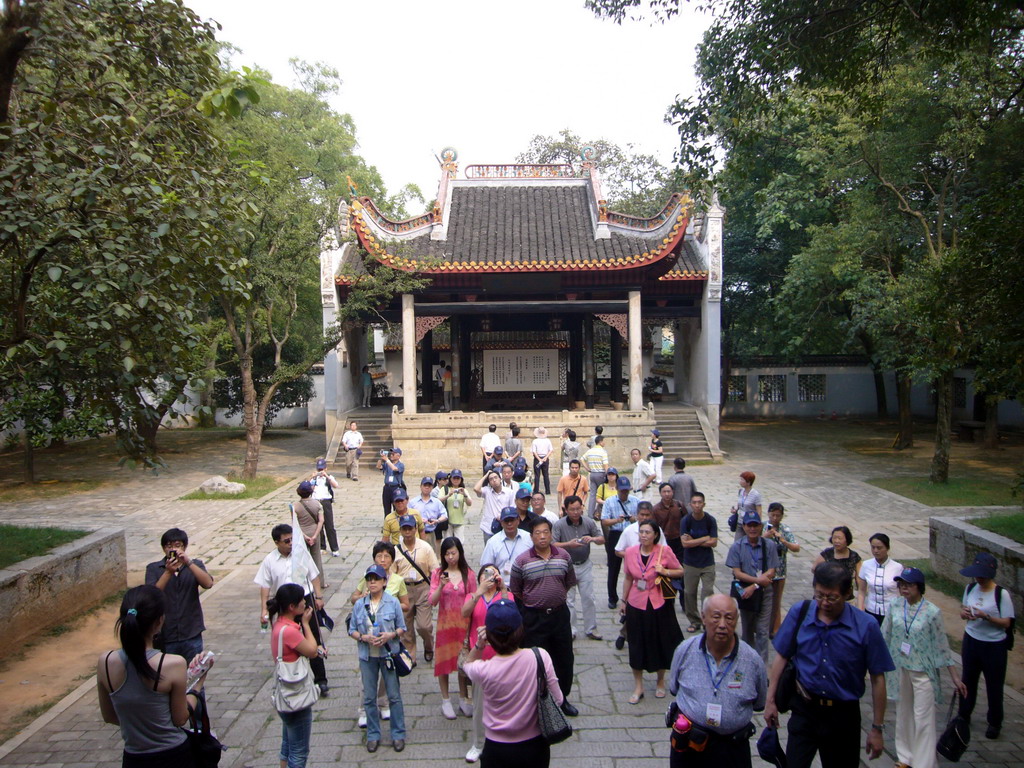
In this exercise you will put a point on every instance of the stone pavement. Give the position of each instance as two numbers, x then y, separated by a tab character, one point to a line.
820	487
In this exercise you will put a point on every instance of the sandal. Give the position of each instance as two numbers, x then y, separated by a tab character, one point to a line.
635	698
659	693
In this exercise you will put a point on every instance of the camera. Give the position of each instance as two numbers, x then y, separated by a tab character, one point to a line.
384	452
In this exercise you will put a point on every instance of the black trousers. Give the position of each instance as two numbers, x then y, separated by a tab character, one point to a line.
386	498
542	469
988	659
534	753
328	529
833	732
719	753
611	538
317	664
552	632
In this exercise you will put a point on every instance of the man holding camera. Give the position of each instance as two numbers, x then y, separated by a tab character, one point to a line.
391	466
323	491
718	683
179	577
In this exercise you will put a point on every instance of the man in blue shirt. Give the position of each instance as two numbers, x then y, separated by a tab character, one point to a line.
391	466
833	647
753	564
616	513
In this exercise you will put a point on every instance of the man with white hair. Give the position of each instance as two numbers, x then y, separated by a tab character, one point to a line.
718	682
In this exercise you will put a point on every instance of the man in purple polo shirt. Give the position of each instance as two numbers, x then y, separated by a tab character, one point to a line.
541	579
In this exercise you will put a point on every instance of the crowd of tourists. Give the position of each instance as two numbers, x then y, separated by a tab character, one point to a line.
505	625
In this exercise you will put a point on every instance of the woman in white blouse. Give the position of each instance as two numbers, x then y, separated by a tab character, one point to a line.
876	585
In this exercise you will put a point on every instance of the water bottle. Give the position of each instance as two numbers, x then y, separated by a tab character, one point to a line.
264	626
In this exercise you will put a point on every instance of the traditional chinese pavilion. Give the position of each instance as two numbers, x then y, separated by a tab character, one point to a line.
524	262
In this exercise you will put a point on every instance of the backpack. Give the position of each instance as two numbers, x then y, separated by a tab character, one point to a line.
999	610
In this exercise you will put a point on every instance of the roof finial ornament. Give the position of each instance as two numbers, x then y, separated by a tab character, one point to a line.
588	154
352	188
448	158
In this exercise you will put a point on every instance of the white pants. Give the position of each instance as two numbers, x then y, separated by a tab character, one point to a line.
585	585
915	721
656	462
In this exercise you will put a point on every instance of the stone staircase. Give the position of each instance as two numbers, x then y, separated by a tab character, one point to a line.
681	434
375	426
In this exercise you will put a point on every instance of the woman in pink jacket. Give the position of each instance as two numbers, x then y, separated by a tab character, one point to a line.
508	682
651	625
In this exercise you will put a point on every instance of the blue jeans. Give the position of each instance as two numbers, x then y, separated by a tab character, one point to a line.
296	728
187	648
370	669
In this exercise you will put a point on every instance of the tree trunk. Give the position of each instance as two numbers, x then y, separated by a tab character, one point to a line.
29	464
992	422
881	406
207	413
905	436
943	428
253	424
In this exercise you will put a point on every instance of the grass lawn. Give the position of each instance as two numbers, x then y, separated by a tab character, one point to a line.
1006	525
18	543
972	490
259	486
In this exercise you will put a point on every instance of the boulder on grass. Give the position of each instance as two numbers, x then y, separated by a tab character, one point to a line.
219	484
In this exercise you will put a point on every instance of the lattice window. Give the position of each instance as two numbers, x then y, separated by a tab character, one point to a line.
771	388
959	392
736	389
810	387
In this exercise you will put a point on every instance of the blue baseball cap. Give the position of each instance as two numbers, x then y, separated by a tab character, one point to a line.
522	493
508	513
441	475
503	617
407	521
769	749
750	516
427	480
656	433
984	567
498	450
400	495
305	487
612	471
397	450
321	463
623	484
911	576
376	571
456	473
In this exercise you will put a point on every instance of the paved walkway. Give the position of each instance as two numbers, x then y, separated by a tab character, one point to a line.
820	488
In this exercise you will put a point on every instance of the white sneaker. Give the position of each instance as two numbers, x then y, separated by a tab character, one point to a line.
466	708
335	553
446	709
473	755
385	713
362	719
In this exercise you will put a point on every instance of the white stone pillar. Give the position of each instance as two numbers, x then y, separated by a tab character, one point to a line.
636	373
408	354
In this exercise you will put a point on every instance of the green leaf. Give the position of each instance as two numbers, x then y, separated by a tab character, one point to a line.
54	273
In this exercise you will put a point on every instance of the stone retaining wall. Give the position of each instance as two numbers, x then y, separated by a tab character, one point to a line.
954	542
45	591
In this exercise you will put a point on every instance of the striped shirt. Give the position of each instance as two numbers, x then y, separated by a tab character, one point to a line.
596	459
540	583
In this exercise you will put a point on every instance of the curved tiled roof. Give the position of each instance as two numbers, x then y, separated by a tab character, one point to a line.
527	228
689	265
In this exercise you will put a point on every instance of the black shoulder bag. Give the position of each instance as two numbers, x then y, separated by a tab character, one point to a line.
785	689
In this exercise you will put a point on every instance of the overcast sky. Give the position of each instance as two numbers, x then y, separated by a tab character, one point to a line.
478	75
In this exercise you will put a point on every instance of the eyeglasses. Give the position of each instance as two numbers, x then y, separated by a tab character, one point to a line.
830	599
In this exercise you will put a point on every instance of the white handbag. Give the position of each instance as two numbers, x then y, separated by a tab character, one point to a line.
294	688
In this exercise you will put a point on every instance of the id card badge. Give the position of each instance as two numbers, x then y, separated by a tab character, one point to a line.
506	573
391	478
714	715
641	584
905	648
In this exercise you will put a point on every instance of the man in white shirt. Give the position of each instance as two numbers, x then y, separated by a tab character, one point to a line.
643	473
323	491
488	443
496	497
415	562
352	442
276	570
538	505
502	550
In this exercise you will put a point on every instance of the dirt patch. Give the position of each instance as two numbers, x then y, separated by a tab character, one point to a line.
49	668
